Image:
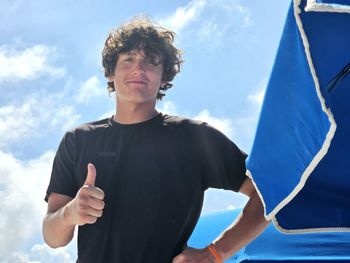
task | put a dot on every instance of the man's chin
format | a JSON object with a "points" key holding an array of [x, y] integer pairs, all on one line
{"points": [[138, 100]]}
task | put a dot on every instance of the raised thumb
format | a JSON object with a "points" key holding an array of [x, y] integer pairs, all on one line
{"points": [[91, 175]]}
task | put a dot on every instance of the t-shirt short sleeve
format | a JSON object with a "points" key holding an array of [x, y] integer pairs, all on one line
{"points": [[62, 179], [222, 161]]}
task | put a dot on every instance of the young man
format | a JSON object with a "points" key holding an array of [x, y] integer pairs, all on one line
{"points": [[134, 183]]}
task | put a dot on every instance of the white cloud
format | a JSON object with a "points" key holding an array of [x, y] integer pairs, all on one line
{"points": [[228, 18], [28, 64], [22, 190], [168, 107], [209, 21], [33, 118], [222, 124], [237, 8], [107, 114], [246, 124], [258, 97], [218, 200], [42, 251], [64, 117], [183, 15], [89, 90], [230, 207]]}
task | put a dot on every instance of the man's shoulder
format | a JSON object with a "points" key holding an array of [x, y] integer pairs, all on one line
{"points": [[199, 128], [189, 124], [91, 126], [182, 121]]}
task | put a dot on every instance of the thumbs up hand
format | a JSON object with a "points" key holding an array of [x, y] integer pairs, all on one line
{"points": [[88, 204]]}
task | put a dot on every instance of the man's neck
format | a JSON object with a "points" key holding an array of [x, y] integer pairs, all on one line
{"points": [[130, 114]]}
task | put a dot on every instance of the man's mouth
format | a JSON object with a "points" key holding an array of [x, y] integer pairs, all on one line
{"points": [[139, 82]]}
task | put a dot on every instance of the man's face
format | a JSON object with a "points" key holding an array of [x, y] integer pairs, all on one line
{"points": [[137, 77]]}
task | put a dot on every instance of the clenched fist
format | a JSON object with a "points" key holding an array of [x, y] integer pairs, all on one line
{"points": [[88, 204]]}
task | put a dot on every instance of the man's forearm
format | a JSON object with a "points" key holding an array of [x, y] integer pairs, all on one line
{"points": [[246, 228], [57, 232]]}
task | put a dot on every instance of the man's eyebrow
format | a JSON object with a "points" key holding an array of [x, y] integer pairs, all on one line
{"points": [[130, 53], [152, 55]]}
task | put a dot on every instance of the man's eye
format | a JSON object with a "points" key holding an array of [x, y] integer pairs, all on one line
{"points": [[127, 59], [153, 62]]}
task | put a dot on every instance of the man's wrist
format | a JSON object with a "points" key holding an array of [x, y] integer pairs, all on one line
{"points": [[215, 253], [67, 218]]}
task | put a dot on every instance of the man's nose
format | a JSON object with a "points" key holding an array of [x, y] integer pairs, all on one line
{"points": [[139, 67]]}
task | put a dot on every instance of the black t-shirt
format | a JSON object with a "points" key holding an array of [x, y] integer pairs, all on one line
{"points": [[153, 174]]}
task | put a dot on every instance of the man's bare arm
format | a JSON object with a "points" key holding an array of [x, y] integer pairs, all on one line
{"points": [[57, 232], [64, 212], [250, 223]]}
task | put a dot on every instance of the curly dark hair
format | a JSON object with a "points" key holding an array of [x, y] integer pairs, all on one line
{"points": [[142, 34]]}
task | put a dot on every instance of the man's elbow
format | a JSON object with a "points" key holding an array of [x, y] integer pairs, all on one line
{"points": [[53, 242], [248, 188], [51, 238]]}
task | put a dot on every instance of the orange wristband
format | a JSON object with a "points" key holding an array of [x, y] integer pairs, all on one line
{"points": [[215, 253]]}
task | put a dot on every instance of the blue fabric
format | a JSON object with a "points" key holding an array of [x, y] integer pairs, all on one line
{"points": [[293, 127], [337, 2], [273, 246]]}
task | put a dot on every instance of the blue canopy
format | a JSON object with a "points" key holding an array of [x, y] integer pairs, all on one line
{"points": [[300, 159], [273, 246]]}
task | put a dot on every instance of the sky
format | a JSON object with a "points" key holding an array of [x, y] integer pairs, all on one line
{"points": [[51, 80]]}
